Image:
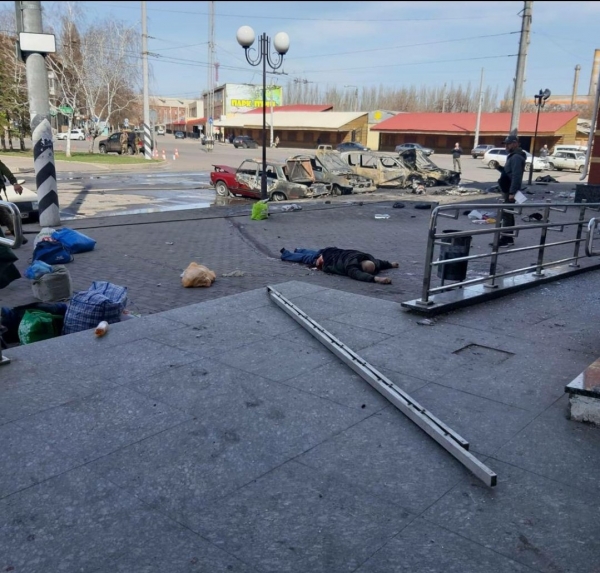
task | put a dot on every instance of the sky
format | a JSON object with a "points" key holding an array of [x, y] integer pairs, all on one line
{"points": [[353, 45]]}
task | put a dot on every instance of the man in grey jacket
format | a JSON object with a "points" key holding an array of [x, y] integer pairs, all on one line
{"points": [[511, 179]]}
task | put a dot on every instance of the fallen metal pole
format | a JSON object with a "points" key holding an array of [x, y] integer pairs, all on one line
{"points": [[442, 434]]}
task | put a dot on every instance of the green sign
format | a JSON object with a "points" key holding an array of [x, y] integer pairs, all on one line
{"points": [[66, 110]]}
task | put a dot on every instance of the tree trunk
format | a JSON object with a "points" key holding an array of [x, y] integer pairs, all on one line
{"points": [[68, 146]]}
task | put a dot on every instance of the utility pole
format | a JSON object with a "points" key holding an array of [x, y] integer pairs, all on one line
{"points": [[521, 64], [29, 28], [444, 99], [478, 122], [210, 100], [147, 133]]}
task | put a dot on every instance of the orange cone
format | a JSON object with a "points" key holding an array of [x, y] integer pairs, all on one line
{"points": [[164, 156]]}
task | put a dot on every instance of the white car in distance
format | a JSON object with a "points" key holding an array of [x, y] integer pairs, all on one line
{"points": [[78, 134], [496, 157]]}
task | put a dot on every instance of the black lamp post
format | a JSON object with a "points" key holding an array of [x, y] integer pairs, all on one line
{"points": [[540, 101], [245, 37]]}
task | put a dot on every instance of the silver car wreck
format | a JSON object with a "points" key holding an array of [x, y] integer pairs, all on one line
{"points": [[409, 168], [279, 185], [328, 167]]}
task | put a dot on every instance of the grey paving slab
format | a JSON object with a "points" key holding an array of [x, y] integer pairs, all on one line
{"points": [[422, 546], [276, 358], [487, 425], [557, 448], [531, 380], [392, 324], [177, 552], [297, 519], [26, 395], [293, 289], [389, 456], [96, 425], [245, 428], [74, 522], [534, 520], [337, 382], [26, 460]]}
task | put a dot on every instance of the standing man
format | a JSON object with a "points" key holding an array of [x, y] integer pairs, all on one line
{"points": [[456, 153], [544, 152], [5, 214], [124, 140], [510, 181]]}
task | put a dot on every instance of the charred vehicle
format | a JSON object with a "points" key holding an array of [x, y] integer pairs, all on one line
{"points": [[328, 167], [405, 170], [279, 185]]}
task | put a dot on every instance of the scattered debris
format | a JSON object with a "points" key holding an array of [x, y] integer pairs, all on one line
{"points": [[381, 216], [426, 322], [398, 205], [234, 274], [169, 243], [292, 207], [458, 191], [533, 217], [422, 205]]}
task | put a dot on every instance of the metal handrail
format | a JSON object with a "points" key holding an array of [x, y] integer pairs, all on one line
{"points": [[452, 212], [17, 239]]}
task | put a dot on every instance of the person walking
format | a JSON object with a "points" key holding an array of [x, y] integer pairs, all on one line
{"points": [[456, 153], [5, 214], [511, 179]]}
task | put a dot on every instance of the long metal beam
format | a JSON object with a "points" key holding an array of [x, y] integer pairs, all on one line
{"points": [[440, 432]]}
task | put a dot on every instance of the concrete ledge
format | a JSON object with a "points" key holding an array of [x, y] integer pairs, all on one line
{"points": [[584, 395]]}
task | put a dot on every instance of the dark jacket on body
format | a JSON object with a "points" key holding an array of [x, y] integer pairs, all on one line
{"points": [[511, 177], [346, 262]]}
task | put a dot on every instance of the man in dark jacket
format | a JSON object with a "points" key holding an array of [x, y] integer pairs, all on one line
{"points": [[5, 214], [354, 264], [511, 179]]}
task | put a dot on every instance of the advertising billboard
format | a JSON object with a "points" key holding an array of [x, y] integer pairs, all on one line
{"points": [[245, 97]]}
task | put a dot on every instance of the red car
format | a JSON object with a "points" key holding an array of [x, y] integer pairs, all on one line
{"points": [[223, 180], [246, 181]]}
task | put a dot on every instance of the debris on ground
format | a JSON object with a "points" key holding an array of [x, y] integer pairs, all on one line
{"points": [[426, 322], [292, 207], [197, 276], [422, 205], [458, 190], [398, 205], [234, 274]]}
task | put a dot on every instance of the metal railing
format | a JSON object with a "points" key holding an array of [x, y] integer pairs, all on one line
{"points": [[543, 224], [17, 240]]}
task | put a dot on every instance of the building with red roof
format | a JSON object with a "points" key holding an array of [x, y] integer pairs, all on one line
{"points": [[441, 131], [293, 108]]}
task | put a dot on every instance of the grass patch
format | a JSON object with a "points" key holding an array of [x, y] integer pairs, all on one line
{"points": [[84, 157]]}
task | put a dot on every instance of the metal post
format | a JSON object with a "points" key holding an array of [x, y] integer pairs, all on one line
{"points": [[29, 19], [521, 63], [264, 51], [537, 119], [147, 134], [478, 123]]}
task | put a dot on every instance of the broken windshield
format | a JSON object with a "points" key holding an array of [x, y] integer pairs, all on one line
{"points": [[333, 162]]}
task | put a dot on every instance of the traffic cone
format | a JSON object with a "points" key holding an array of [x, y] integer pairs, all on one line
{"points": [[155, 153], [176, 153], [164, 156]]}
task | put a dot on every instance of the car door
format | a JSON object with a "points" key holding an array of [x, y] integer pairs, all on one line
{"points": [[248, 180], [113, 143], [570, 160]]}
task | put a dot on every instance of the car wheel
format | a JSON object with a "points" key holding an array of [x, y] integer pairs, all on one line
{"points": [[581, 168], [221, 189], [102, 149], [130, 151], [493, 164], [336, 190], [551, 166], [81, 138], [474, 156], [527, 166], [278, 196], [559, 168]]}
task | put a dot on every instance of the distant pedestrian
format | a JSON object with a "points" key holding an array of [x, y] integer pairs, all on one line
{"points": [[123, 141], [544, 151], [456, 153]]}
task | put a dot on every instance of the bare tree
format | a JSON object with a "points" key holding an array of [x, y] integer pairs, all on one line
{"points": [[97, 68]]}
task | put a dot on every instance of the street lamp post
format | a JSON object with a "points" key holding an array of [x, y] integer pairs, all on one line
{"points": [[540, 101], [245, 37]]}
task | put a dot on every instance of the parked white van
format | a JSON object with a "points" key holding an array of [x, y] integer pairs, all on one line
{"points": [[577, 148]]}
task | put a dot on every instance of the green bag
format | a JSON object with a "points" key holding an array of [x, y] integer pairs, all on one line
{"points": [[39, 325], [260, 210]]}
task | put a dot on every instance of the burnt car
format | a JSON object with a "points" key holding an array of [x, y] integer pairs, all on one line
{"points": [[328, 167], [408, 168], [245, 181]]}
